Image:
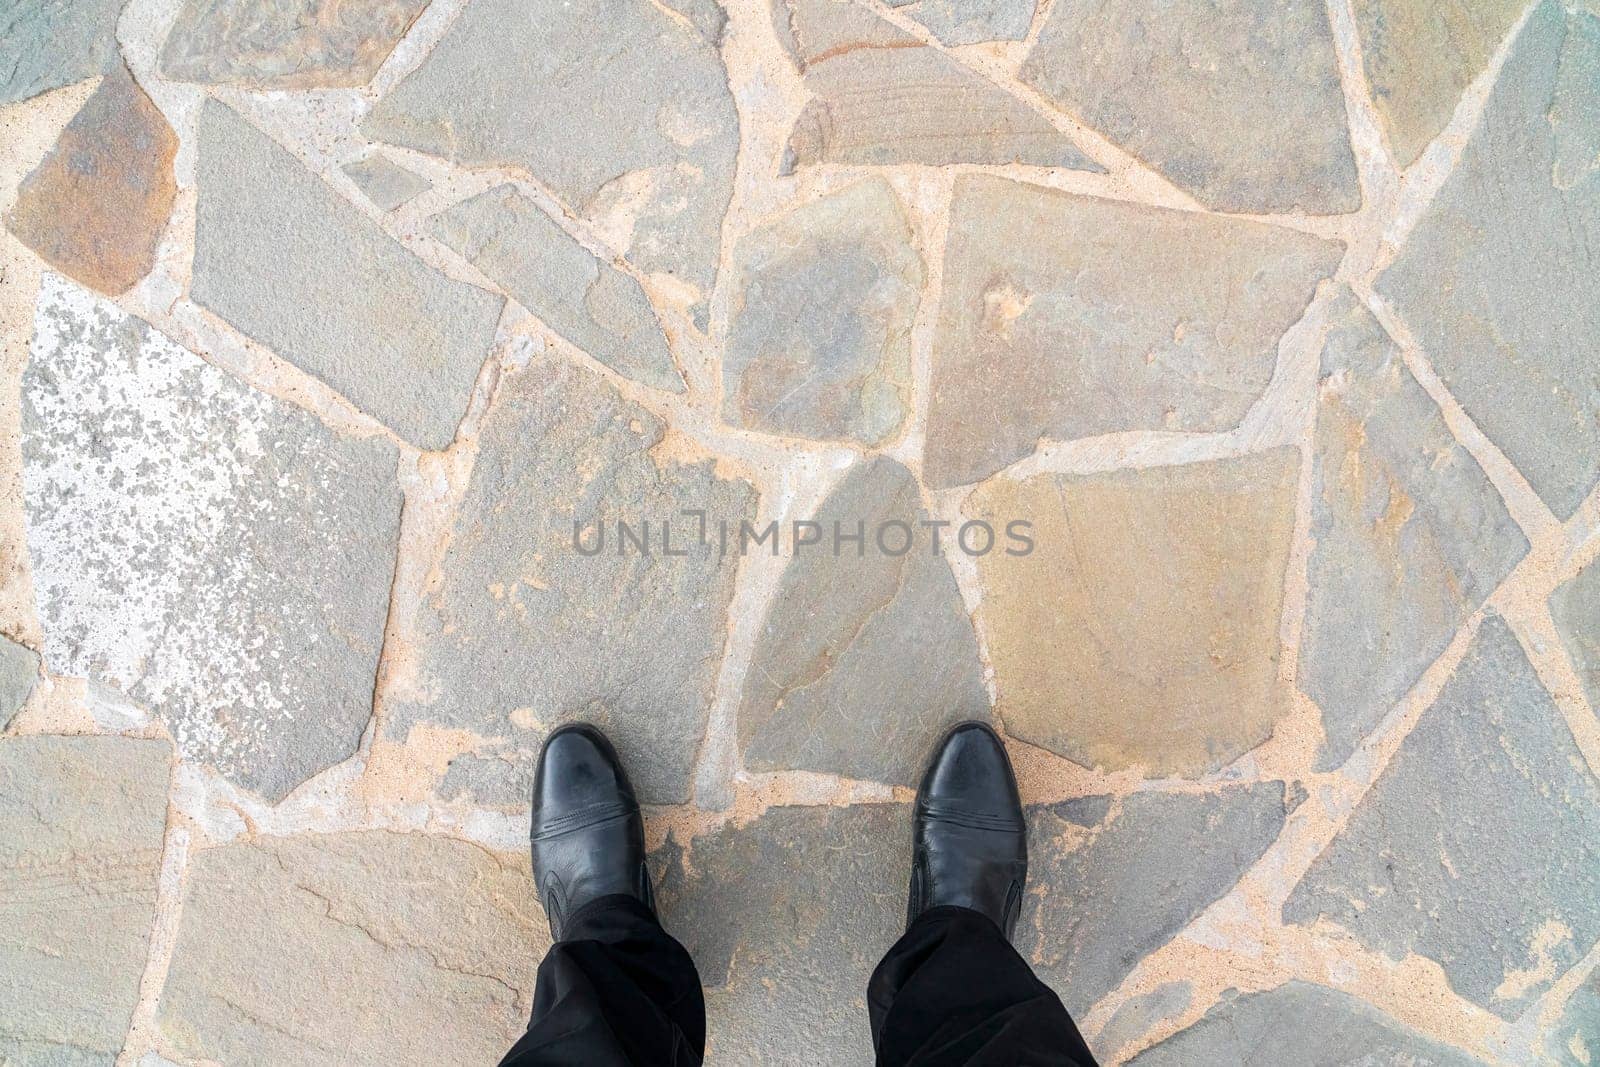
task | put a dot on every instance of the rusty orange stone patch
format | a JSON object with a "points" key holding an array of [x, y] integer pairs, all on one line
{"points": [[96, 206]]}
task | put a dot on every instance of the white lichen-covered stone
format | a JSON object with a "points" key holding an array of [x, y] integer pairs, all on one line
{"points": [[217, 555]]}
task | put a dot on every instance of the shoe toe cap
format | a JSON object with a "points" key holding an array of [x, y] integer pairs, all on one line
{"points": [[972, 772], [578, 768]]}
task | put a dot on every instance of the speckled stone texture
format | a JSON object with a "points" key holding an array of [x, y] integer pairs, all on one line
{"points": [[217, 555], [385, 382]]}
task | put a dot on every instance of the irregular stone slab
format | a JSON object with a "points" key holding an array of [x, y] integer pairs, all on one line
{"points": [[45, 44], [81, 824], [958, 22], [1300, 1023], [1142, 630], [1108, 885], [96, 206], [1497, 280], [19, 672], [1420, 57], [217, 555], [285, 44], [597, 307], [1576, 610], [1479, 846], [864, 659], [880, 97], [1408, 535], [786, 917], [286, 260], [385, 182], [819, 343], [1237, 102], [639, 115], [523, 632], [434, 942], [1128, 318]]}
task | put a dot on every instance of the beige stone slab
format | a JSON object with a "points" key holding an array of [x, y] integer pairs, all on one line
{"points": [[1067, 316], [351, 949], [1142, 630], [81, 824]]}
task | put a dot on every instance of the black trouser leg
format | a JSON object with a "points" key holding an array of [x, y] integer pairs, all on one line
{"points": [[617, 989], [954, 991]]}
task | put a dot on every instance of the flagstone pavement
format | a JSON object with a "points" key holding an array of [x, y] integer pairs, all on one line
{"points": [[1207, 393]]}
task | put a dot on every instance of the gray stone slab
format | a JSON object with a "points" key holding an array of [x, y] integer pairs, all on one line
{"points": [[1479, 846], [81, 824], [1128, 318], [285, 44], [1237, 102], [882, 97], [45, 44], [19, 672], [1303, 1024], [1497, 281], [786, 916], [1419, 58], [599, 308], [385, 182], [1103, 895], [284, 258], [863, 659], [215, 554], [523, 632], [819, 339], [1575, 606], [352, 949], [640, 113], [1408, 535], [959, 22]]}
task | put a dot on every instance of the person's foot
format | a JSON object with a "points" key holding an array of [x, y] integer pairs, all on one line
{"points": [[587, 834], [969, 845]]}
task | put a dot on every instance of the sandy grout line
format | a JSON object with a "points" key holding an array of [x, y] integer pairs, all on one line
{"points": [[143, 1031]]}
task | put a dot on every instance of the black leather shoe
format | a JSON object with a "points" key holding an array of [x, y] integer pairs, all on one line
{"points": [[588, 835], [969, 844]]}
